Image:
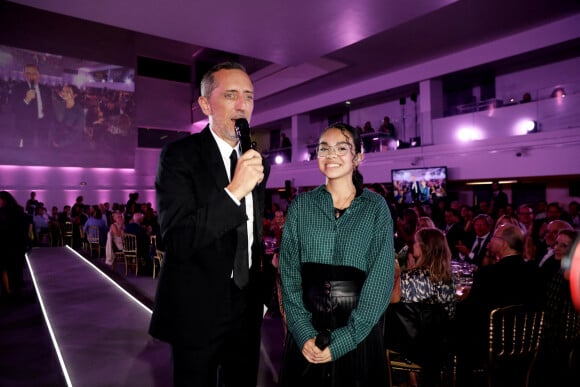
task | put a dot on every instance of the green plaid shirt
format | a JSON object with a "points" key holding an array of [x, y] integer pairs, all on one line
{"points": [[362, 238]]}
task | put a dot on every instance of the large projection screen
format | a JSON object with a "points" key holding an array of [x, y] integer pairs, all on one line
{"points": [[62, 111]]}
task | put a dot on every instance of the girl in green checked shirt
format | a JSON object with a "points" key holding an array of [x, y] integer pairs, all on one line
{"points": [[337, 270]]}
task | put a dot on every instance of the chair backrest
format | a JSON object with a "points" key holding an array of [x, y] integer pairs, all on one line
{"points": [[419, 331], [67, 228], [93, 234], [129, 244], [153, 240], [572, 326], [514, 331], [157, 251]]}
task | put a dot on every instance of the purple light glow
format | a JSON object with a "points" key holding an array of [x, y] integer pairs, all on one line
{"points": [[467, 134], [523, 127]]}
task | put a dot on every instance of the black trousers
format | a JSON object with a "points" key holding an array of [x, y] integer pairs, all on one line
{"points": [[232, 356]]}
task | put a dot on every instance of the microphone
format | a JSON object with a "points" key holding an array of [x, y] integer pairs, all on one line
{"points": [[322, 339], [243, 133]]}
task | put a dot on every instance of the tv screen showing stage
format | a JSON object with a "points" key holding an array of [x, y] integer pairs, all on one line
{"points": [[62, 111], [419, 185]]}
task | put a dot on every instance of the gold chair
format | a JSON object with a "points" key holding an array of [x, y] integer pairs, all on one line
{"points": [[67, 233], [94, 240], [157, 254], [571, 334], [515, 334], [394, 363], [130, 252]]}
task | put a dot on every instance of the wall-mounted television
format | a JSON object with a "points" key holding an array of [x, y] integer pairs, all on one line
{"points": [[423, 185]]}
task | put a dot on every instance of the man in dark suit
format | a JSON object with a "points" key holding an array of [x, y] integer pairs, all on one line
{"points": [[206, 307], [473, 248], [33, 110], [510, 281]]}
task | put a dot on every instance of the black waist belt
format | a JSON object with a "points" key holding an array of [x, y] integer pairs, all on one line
{"points": [[330, 293]]}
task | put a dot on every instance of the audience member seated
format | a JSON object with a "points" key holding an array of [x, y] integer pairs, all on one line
{"points": [[507, 219], [552, 212], [277, 225], [574, 214], [422, 305], [558, 92], [115, 237], [558, 307], [367, 138], [527, 97], [510, 281], [473, 249], [143, 241], [525, 217], [41, 222], [96, 219], [547, 262], [388, 127]]}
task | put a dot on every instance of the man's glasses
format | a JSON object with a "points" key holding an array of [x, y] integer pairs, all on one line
{"points": [[339, 149]]}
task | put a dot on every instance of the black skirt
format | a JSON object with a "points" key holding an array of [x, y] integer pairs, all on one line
{"points": [[330, 293]]}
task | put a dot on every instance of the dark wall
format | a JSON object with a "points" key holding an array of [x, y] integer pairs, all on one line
{"points": [[38, 30]]}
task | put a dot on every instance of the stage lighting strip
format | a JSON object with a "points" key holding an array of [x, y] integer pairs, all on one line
{"points": [[99, 271], [49, 325]]}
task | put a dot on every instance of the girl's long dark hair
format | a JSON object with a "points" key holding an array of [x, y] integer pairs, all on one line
{"points": [[357, 177]]}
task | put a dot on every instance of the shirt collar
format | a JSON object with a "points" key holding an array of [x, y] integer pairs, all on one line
{"points": [[224, 147]]}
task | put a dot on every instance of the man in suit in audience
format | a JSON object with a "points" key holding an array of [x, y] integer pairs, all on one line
{"points": [[508, 282], [547, 263], [474, 250], [208, 310]]}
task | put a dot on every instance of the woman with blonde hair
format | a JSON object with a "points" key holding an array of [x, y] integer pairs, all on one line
{"points": [[506, 219], [425, 222]]}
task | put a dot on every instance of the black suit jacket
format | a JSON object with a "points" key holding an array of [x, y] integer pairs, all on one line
{"points": [[198, 221], [478, 258], [27, 115]]}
